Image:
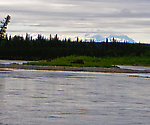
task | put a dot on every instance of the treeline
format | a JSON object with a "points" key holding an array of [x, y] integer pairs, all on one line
{"points": [[27, 48]]}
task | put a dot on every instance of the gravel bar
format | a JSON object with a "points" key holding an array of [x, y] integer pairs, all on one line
{"points": [[66, 68]]}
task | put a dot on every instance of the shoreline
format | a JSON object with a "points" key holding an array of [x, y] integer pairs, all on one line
{"points": [[81, 69]]}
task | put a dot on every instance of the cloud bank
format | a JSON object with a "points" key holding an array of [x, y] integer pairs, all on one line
{"points": [[79, 16]]}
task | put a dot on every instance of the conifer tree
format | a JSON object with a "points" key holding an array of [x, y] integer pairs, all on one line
{"points": [[3, 26], [50, 37], [77, 39], [27, 37], [106, 40]]}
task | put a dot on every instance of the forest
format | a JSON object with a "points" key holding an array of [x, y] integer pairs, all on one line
{"points": [[41, 48], [18, 47]]}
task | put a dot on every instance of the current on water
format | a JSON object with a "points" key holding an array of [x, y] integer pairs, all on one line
{"points": [[30, 97]]}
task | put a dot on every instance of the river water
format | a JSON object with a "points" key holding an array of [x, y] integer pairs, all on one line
{"points": [[30, 97]]}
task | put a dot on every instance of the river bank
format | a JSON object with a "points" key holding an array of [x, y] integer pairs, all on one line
{"points": [[66, 68]]}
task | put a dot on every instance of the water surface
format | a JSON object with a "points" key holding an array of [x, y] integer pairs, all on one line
{"points": [[135, 67], [13, 61], [30, 97]]}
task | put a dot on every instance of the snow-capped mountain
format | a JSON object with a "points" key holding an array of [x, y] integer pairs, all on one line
{"points": [[122, 38], [100, 38]]}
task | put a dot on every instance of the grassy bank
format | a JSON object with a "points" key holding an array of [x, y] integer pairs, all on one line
{"points": [[94, 61]]}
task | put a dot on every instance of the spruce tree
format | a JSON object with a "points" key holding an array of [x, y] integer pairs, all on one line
{"points": [[3, 26]]}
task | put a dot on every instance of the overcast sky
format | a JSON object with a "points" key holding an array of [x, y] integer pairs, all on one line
{"points": [[128, 17]]}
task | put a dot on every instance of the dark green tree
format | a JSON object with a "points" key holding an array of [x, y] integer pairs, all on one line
{"points": [[77, 39], [3, 26]]}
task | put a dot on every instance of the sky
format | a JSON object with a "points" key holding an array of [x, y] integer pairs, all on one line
{"points": [[71, 18]]}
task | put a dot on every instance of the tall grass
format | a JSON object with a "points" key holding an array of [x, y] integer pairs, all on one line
{"points": [[94, 61]]}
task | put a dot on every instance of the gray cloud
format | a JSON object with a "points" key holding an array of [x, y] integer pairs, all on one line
{"points": [[77, 15]]}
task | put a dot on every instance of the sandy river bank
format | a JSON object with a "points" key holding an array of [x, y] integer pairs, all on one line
{"points": [[65, 68]]}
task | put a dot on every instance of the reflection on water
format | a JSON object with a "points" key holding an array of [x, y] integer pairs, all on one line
{"points": [[13, 61], [134, 67], [72, 98]]}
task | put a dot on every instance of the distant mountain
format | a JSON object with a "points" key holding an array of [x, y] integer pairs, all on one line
{"points": [[122, 38], [100, 38], [97, 37]]}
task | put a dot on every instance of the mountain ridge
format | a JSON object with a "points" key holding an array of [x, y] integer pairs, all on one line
{"points": [[100, 38]]}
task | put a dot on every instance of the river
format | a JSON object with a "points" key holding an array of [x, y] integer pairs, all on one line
{"points": [[30, 97]]}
